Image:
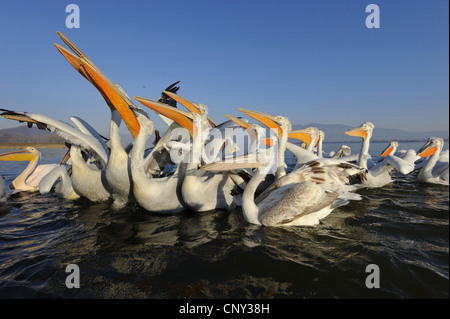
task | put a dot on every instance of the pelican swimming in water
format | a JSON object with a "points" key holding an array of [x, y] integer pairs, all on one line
{"points": [[29, 179], [60, 176], [297, 199], [160, 195], [379, 174], [200, 191], [116, 175], [89, 153], [280, 125], [435, 169], [408, 155]]}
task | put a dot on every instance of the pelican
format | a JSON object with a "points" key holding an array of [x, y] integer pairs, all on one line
{"points": [[408, 155], [117, 175], [29, 179], [308, 136], [280, 125], [63, 188], [161, 195], [435, 169], [379, 173], [60, 176], [391, 149], [342, 152], [200, 191], [301, 201], [88, 153]]}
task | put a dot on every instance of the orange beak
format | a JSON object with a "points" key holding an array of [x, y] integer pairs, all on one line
{"points": [[65, 158], [387, 151], [184, 119], [106, 87], [427, 150], [188, 104], [301, 135], [113, 99], [266, 119], [357, 132], [249, 129]]}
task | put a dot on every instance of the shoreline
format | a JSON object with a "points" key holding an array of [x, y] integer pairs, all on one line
{"points": [[35, 145]]}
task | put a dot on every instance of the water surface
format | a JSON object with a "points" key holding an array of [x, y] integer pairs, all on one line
{"points": [[402, 228]]}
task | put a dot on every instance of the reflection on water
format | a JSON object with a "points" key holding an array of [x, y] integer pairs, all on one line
{"points": [[403, 228]]}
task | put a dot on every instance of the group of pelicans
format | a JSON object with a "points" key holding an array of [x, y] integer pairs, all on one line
{"points": [[205, 168]]}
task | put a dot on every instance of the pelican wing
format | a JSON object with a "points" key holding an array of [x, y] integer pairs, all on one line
{"points": [[85, 128], [332, 174], [156, 161], [294, 203], [400, 165], [73, 136], [441, 169], [300, 154]]}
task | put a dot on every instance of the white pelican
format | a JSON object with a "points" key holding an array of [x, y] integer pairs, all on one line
{"points": [[309, 136], [408, 155], [342, 152], [29, 179], [86, 176], [61, 177], [279, 125], [379, 173], [160, 195], [200, 191], [435, 168], [117, 175], [301, 201], [63, 188]]}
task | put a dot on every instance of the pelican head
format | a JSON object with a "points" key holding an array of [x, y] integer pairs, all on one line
{"points": [[191, 106], [277, 123], [390, 149], [431, 146], [307, 135], [364, 131], [27, 154]]}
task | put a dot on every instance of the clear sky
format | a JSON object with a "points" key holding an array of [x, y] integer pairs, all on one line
{"points": [[312, 61]]}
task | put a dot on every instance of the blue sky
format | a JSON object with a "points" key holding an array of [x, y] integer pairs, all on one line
{"points": [[312, 61]]}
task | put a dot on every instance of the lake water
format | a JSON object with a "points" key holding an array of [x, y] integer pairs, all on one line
{"points": [[403, 228]]}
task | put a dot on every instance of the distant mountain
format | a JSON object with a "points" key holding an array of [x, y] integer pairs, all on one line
{"points": [[24, 134], [335, 133]]}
